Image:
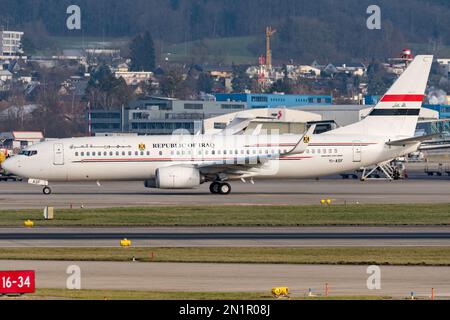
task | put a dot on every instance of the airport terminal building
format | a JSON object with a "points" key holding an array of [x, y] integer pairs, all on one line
{"points": [[261, 101], [163, 116]]}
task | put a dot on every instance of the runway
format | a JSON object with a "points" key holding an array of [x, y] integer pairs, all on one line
{"points": [[203, 277], [276, 192], [227, 237]]}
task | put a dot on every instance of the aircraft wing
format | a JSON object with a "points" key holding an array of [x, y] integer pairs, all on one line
{"points": [[238, 125], [243, 165], [413, 140]]}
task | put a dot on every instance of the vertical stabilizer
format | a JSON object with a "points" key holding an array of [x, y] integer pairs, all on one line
{"points": [[397, 113]]}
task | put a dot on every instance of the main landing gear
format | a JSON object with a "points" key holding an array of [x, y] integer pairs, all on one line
{"points": [[46, 190], [220, 188]]}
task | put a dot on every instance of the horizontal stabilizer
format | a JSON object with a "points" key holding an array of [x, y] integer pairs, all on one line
{"points": [[412, 140]]}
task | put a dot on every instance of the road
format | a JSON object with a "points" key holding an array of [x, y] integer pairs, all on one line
{"points": [[227, 237], [203, 277], [277, 192]]}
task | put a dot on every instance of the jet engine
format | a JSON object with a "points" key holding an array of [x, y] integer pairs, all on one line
{"points": [[176, 177]]}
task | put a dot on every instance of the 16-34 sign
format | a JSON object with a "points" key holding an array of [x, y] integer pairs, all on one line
{"points": [[17, 282]]}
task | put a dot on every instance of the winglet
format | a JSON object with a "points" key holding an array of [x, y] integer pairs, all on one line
{"points": [[302, 145]]}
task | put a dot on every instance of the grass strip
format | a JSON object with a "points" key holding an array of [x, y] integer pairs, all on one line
{"points": [[53, 294], [311, 215], [404, 256]]}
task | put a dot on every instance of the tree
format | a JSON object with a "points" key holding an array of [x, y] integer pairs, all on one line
{"points": [[173, 84], [105, 91], [284, 85], [379, 80], [241, 81], [281, 86], [142, 53], [205, 83], [28, 46]]}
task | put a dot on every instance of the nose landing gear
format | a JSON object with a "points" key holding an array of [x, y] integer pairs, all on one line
{"points": [[46, 190], [220, 188]]}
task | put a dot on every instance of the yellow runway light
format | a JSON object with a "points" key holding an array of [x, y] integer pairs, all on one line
{"points": [[125, 243], [280, 291], [28, 223]]}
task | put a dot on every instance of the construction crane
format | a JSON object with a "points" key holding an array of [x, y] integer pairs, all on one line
{"points": [[269, 33]]}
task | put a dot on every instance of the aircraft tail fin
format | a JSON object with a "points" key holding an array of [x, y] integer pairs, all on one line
{"points": [[397, 113]]}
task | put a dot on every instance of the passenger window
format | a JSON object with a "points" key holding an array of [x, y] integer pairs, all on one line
{"points": [[318, 151], [82, 154], [117, 153], [148, 153], [313, 151], [335, 150], [76, 154], [136, 153], [160, 153], [142, 153], [105, 153], [123, 153], [88, 154], [130, 153]]}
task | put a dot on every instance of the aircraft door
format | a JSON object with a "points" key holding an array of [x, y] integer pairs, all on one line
{"points": [[58, 154], [357, 151]]}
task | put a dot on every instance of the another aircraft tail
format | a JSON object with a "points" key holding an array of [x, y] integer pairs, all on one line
{"points": [[397, 113]]}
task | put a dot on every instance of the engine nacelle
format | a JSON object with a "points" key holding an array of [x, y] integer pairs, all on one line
{"points": [[175, 178]]}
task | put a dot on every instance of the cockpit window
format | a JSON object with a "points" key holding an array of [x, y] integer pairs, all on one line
{"points": [[28, 153]]}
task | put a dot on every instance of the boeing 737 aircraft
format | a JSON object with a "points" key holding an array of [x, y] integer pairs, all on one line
{"points": [[184, 161]]}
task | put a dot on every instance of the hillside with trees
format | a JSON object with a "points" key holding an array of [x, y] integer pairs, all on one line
{"points": [[307, 30]]}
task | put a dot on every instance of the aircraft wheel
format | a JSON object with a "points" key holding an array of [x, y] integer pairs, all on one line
{"points": [[46, 191], [214, 188], [224, 188]]}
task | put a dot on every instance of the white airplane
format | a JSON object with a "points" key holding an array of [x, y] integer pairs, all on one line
{"points": [[185, 161]]}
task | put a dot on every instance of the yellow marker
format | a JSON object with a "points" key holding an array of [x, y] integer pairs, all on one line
{"points": [[322, 201], [328, 201], [28, 223], [280, 291], [125, 243]]}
